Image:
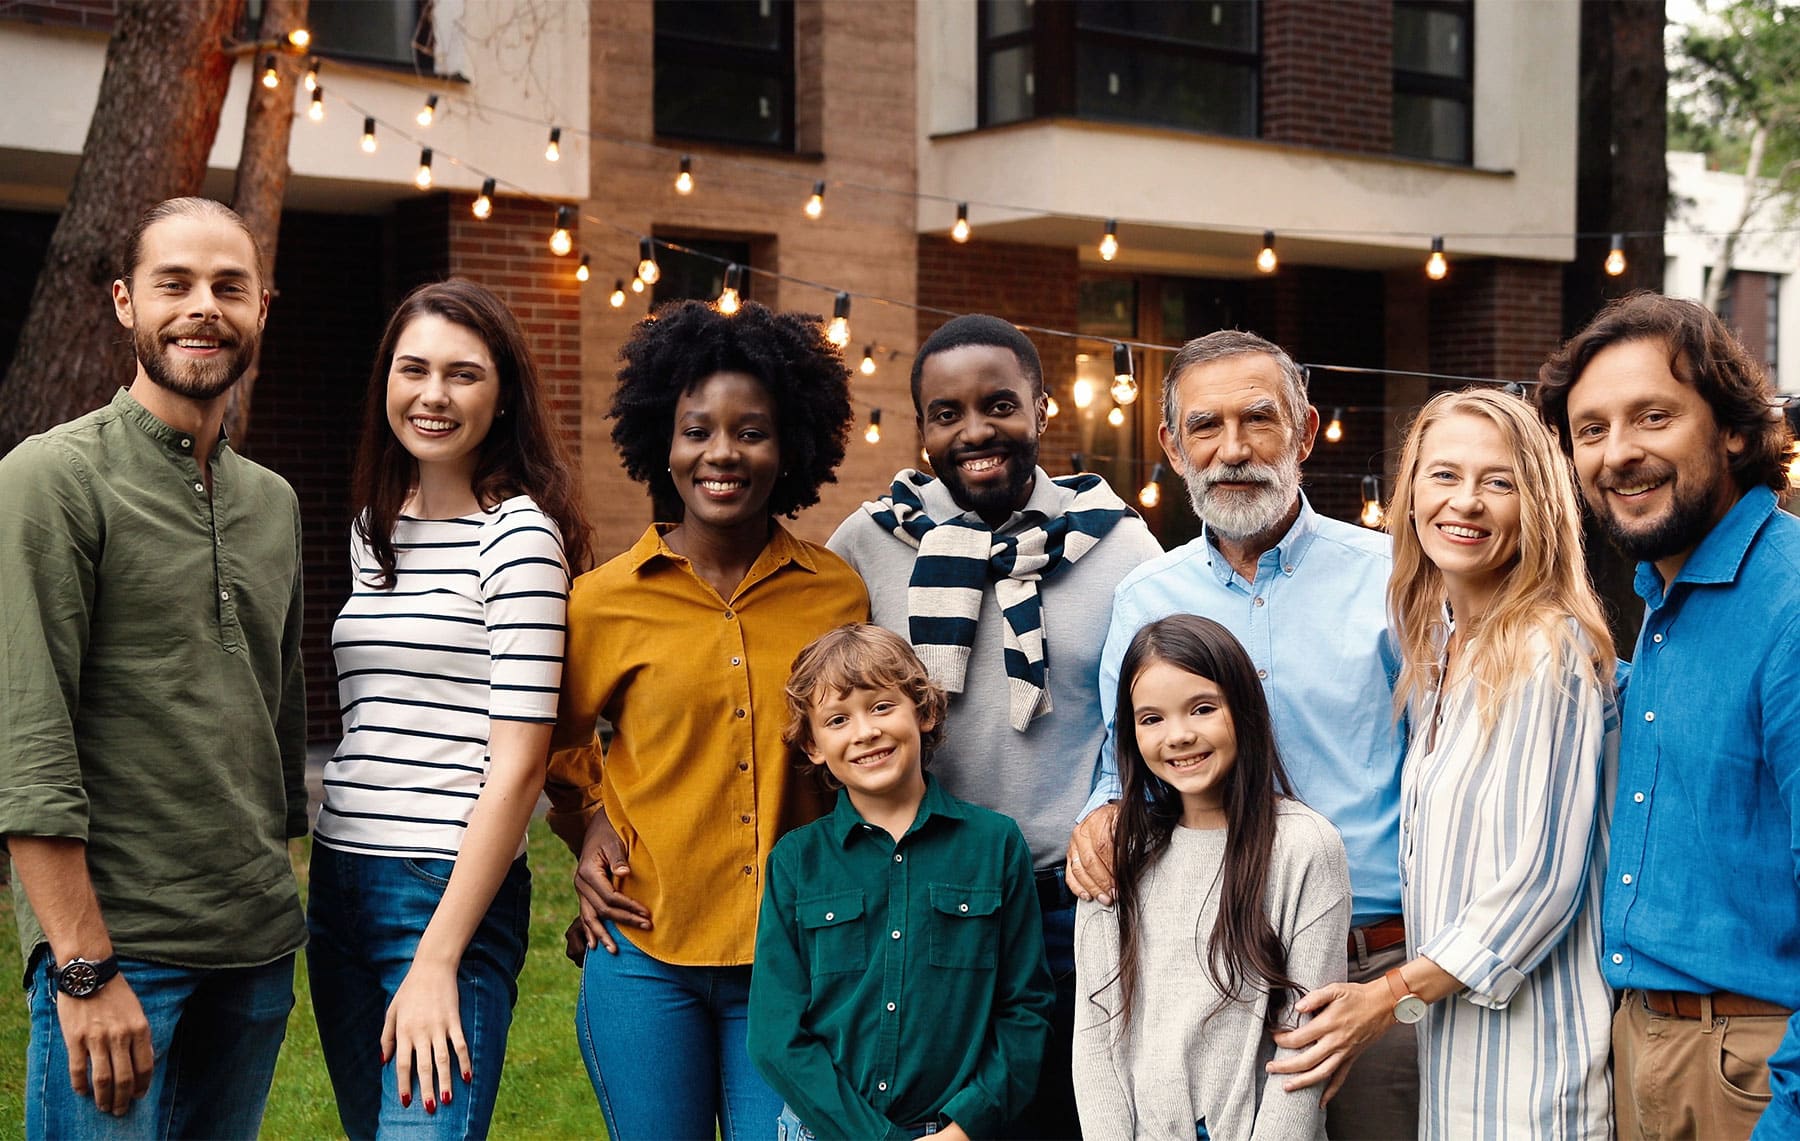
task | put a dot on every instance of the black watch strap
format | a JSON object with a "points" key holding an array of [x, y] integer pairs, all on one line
{"points": [[82, 978]]}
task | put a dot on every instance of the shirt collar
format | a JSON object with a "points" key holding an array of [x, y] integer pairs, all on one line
{"points": [[1048, 499], [174, 439], [1287, 552], [847, 822], [1720, 554], [781, 549]]}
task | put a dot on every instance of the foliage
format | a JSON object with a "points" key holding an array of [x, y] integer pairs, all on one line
{"points": [[1735, 69]]}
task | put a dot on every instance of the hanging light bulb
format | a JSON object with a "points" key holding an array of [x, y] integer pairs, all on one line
{"points": [[1435, 265], [553, 149], [648, 270], [1151, 493], [1116, 417], [1372, 515], [315, 110], [312, 74], [1051, 407], [300, 38], [1109, 241], [368, 142], [873, 432], [1084, 392], [684, 182], [1793, 466], [483, 206], [270, 77], [582, 273], [1266, 261], [422, 178], [428, 112], [617, 298], [867, 368], [960, 231], [1334, 431], [637, 285], [838, 332], [1124, 385], [560, 241], [729, 302], [1615, 260], [815, 205]]}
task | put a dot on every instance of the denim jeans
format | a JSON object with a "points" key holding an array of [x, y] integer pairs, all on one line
{"points": [[788, 1127], [667, 1048], [1051, 1112], [215, 1033], [366, 915]]}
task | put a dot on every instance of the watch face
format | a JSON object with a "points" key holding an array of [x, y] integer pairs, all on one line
{"points": [[79, 978], [1410, 1009]]}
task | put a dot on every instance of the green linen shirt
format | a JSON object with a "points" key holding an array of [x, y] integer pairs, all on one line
{"points": [[151, 696], [901, 982]]}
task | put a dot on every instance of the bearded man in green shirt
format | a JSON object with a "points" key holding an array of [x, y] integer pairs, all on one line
{"points": [[152, 717]]}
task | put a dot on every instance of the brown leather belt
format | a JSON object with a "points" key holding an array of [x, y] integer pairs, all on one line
{"points": [[1684, 1004], [1377, 936]]}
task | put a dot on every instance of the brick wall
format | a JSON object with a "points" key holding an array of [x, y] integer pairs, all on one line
{"points": [[1327, 74], [1495, 318]]}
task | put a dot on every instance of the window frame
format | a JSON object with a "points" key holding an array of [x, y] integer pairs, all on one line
{"points": [[779, 63], [1409, 82]]}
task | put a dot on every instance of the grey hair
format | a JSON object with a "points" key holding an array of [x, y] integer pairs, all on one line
{"points": [[1236, 343]]}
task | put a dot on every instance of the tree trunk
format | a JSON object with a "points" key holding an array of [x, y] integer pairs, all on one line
{"points": [[1721, 270], [262, 176], [153, 127]]}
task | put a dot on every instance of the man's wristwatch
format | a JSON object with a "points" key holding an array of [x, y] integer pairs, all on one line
{"points": [[1408, 1007], [82, 978]]}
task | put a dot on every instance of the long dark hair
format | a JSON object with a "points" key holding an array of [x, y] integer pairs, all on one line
{"points": [[1244, 949], [520, 456]]}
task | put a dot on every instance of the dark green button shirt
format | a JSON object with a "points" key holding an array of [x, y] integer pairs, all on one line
{"points": [[151, 695], [898, 983]]}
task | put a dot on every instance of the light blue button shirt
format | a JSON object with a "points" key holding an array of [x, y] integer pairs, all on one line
{"points": [[1315, 625]]}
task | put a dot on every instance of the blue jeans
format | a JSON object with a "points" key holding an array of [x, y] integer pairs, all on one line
{"points": [[366, 915], [215, 1033], [1051, 1112], [788, 1127], [668, 1048]]}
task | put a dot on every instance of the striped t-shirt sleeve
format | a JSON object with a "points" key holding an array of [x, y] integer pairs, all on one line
{"points": [[524, 584]]}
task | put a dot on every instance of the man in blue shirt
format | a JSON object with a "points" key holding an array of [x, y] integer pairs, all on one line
{"points": [[1306, 595], [1681, 451]]}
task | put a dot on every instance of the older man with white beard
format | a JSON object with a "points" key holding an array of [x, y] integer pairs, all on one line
{"points": [[1306, 595]]}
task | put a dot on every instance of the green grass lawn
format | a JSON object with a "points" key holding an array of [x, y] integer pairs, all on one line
{"points": [[544, 1093]]}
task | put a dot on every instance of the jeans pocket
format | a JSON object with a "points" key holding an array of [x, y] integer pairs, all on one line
{"points": [[1741, 1059], [434, 872], [965, 926]]}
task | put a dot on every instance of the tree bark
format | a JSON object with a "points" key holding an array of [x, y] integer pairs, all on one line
{"points": [[158, 110], [262, 176]]}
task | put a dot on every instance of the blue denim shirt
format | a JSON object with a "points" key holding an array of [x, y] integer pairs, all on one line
{"points": [[1703, 883], [1315, 625]]}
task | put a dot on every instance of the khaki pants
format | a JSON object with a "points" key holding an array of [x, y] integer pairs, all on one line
{"points": [[1380, 1098], [1690, 1078]]}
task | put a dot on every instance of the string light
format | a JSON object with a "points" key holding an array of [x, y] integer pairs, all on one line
{"points": [[815, 205], [553, 149], [1435, 265], [648, 270], [422, 179], [315, 110], [1124, 385], [1109, 241], [1151, 493], [684, 181], [270, 77], [867, 368], [729, 302], [300, 38], [483, 206], [312, 74], [637, 285], [617, 298], [1116, 417], [428, 112], [1266, 260], [582, 273], [1372, 515], [873, 432], [1615, 260], [1084, 392], [1334, 431], [368, 139], [1051, 408], [1793, 467], [960, 231], [560, 242], [838, 332]]}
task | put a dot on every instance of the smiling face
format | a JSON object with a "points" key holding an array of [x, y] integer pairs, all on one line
{"points": [[1236, 447], [1465, 508], [195, 305], [1653, 462], [980, 417], [443, 392], [869, 739], [725, 456], [1186, 736]]}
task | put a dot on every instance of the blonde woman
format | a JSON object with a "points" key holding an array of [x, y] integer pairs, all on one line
{"points": [[1506, 683]]}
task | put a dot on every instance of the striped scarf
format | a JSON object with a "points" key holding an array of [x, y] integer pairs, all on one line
{"points": [[959, 556]]}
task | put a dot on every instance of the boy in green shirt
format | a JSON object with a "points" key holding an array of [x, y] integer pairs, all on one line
{"points": [[900, 987]]}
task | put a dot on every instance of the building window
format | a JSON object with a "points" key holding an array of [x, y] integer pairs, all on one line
{"points": [[379, 31], [725, 71], [1434, 87], [697, 270], [1189, 65]]}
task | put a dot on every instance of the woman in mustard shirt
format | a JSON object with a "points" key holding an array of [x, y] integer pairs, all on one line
{"points": [[683, 645]]}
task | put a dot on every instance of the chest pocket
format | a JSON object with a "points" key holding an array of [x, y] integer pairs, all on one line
{"points": [[835, 928], [965, 926]]}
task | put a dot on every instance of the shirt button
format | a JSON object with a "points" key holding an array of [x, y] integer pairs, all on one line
{"points": [[225, 596], [1648, 716], [962, 907], [748, 870], [743, 766], [898, 857], [744, 818], [830, 915], [739, 713], [1258, 600], [200, 487], [1657, 638], [736, 661], [1638, 797], [1626, 878], [1262, 675], [186, 443], [882, 1086], [891, 1008], [896, 934], [1618, 958], [729, 616], [1287, 570]]}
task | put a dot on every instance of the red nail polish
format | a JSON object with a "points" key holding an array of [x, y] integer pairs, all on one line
{"points": [[405, 1100], [465, 1077], [446, 1098], [430, 1106]]}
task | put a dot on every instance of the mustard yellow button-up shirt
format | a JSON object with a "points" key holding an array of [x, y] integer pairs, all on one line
{"points": [[696, 779]]}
